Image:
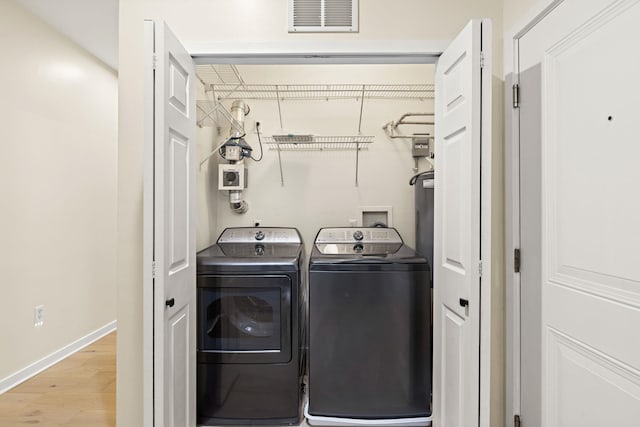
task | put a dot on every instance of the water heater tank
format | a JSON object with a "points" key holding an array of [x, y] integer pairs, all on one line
{"points": [[424, 188]]}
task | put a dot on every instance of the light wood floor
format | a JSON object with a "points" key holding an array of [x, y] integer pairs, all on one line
{"points": [[78, 391]]}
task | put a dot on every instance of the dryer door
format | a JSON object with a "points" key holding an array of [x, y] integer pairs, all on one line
{"points": [[244, 319]]}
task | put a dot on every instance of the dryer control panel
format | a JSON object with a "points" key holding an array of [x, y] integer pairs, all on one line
{"points": [[273, 235]]}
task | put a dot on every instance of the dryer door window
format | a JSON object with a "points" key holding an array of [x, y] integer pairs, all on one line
{"points": [[245, 318]]}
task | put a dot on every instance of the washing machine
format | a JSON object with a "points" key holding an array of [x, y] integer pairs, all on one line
{"points": [[251, 328], [369, 329]]}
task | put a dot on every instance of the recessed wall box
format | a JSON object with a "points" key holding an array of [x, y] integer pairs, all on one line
{"points": [[232, 177], [376, 216]]}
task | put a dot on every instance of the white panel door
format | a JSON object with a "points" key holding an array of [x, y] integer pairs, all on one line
{"points": [[174, 233], [590, 280], [457, 231]]}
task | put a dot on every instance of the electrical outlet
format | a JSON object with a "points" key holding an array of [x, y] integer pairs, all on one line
{"points": [[38, 316]]}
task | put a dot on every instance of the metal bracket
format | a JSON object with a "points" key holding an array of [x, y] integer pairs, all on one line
{"points": [[279, 109], [280, 166]]}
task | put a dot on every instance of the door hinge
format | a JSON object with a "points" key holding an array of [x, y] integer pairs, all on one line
{"points": [[154, 60], [516, 95], [153, 270], [481, 59], [516, 421], [480, 268], [516, 260]]}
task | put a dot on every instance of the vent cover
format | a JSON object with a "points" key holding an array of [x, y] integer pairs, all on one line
{"points": [[323, 16]]}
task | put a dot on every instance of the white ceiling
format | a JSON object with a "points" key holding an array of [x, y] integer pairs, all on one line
{"points": [[93, 24]]}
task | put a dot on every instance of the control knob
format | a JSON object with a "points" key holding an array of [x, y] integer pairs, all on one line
{"points": [[358, 248], [259, 250], [259, 235], [358, 235]]}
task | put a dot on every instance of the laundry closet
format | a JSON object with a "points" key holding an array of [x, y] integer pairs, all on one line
{"points": [[318, 156], [292, 148], [326, 159]]}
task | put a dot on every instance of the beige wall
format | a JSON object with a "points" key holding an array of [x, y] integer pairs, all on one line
{"points": [[319, 187], [516, 13], [58, 187], [497, 385], [200, 21], [206, 182]]}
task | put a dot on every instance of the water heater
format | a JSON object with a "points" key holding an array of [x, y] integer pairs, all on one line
{"points": [[424, 188]]}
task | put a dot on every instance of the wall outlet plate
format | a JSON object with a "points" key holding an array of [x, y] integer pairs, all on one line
{"points": [[232, 152], [38, 316]]}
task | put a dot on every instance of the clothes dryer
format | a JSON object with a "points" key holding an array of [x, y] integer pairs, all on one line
{"points": [[251, 335]]}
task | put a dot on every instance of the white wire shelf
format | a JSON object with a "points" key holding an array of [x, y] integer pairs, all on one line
{"points": [[317, 143], [219, 74], [320, 91]]}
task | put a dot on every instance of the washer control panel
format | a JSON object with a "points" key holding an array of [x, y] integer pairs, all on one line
{"points": [[261, 235], [358, 241], [358, 234]]}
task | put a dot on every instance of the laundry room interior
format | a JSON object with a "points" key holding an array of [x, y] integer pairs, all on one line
{"points": [[335, 163], [225, 213], [304, 181], [295, 148]]}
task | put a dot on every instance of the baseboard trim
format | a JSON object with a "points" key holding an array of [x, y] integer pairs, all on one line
{"points": [[35, 368]]}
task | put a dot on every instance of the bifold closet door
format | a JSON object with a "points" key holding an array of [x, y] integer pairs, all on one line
{"points": [[457, 230], [172, 183]]}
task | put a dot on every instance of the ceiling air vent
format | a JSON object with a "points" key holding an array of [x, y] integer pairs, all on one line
{"points": [[323, 16]]}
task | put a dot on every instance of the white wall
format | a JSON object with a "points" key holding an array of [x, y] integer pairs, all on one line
{"points": [[200, 21], [206, 181], [319, 186], [58, 187], [516, 13]]}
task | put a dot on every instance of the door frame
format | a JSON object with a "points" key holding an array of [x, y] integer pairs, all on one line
{"points": [[357, 52], [148, 231], [513, 327]]}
